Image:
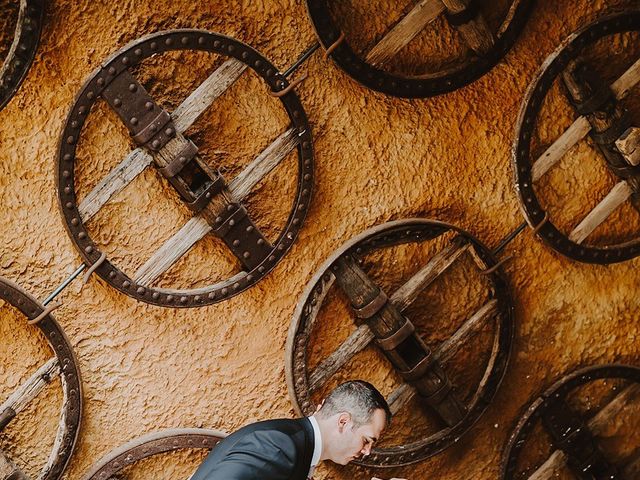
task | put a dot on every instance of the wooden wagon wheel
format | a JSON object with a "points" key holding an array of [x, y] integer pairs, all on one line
{"points": [[23, 48], [152, 444], [602, 117], [381, 319], [574, 436], [486, 47], [216, 203], [64, 364]]}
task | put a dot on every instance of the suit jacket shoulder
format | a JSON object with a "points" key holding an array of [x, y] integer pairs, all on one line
{"points": [[271, 450]]}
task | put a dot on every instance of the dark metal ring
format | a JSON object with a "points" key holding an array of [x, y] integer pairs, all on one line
{"points": [[553, 66], [558, 391], [127, 57], [416, 86], [382, 236], [70, 375], [152, 444], [23, 49]]}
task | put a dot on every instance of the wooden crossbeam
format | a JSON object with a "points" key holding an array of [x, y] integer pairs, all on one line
{"points": [[21, 397], [402, 298], [425, 12], [405, 392], [629, 145], [581, 127], [197, 227], [183, 117], [616, 197], [596, 424], [476, 32]]}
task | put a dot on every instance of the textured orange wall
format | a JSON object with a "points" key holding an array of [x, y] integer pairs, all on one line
{"points": [[378, 158]]}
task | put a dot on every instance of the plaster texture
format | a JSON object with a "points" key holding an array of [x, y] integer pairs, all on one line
{"points": [[378, 158]]}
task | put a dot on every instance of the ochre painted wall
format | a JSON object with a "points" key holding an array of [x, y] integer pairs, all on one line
{"points": [[378, 158]]}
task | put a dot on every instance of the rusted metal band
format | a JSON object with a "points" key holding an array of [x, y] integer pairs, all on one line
{"points": [[373, 307], [49, 308], [400, 335], [490, 270], [94, 267], [242, 236], [471, 11], [417, 372], [290, 87], [152, 128], [208, 192], [176, 165], [149, 124], [6, 416], [596, 102]]}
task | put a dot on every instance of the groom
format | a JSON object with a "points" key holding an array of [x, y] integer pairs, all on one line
{"points": [[345, 427]]}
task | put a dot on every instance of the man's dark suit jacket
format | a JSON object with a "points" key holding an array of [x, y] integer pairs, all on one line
{"points": [[270, 450]]}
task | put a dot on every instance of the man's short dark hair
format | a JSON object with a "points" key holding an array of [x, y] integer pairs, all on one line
{"points": [[358, 398]]}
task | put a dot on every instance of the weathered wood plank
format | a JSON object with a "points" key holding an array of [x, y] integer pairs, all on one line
{"points": [[174, 248], [21, 397], [404, 31], [581, 126], [476, 32], [270, 158], [183, 117], [9, 470], [616, 197], [405, 392], [629, 145], [207, 92], [356, 342], [408, 292], [572, 135], [597, 424], [197, 227], [114, 182]]}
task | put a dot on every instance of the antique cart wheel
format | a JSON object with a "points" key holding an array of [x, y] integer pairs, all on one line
{"points": [[485, 47], [152, 444], [23, 48], [381, 320], [215, 202], [64, 364], [600, 114], [573, 435]]}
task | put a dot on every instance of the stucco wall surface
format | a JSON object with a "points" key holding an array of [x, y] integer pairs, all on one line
{"points": [[378, 158]]}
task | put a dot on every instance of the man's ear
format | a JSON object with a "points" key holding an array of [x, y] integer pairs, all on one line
{"points": [[343, 419]]}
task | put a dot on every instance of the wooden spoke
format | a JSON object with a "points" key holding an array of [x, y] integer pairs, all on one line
{"points": [[404, 31], [581, 127], [572, 135], [114, 182], [172, 250], [476, 32], [597, 425], [402, 298], [21, 397], [405, 392], [616, 197], [408, 292], [357, 341], [183, 117], [197, 227], [207, 92]]}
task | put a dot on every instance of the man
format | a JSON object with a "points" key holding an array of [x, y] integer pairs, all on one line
{"points": [[345, 426]]}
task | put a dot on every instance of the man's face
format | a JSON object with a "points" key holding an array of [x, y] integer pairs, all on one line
{"points": [[356, 442]]}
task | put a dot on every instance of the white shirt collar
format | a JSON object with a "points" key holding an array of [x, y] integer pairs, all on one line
{"points": [[317, 444]]}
